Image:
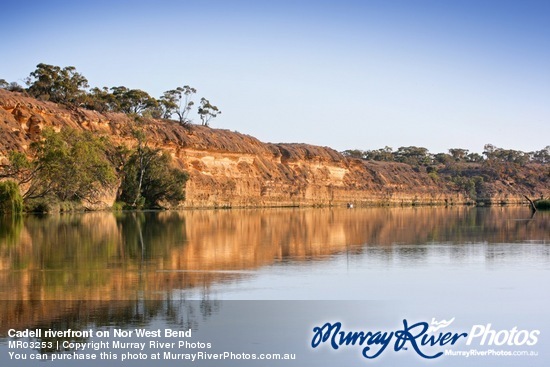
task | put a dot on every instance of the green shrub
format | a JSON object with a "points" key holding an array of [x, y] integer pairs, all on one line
{"points": [[42, 205], [11, 201], [118, 206], [150, 179]]}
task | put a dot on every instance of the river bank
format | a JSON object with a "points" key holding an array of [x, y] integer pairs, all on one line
{"points": [[232, 170]]}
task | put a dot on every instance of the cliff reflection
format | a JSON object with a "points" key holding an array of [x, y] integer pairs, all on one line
{"points": [[127, 256]]}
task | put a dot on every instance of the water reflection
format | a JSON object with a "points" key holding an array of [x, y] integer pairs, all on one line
{"points": [[99, 315], [121, 256], [128, 269]]}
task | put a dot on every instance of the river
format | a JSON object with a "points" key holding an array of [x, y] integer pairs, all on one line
{"points": [[182, 268]]}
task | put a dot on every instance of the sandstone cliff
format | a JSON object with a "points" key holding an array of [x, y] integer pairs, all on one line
{"points": [[229, 169]]}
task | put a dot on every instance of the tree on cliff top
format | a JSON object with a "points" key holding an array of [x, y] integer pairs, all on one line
{"points": [[132, 101], [12, 87], [207, 111], [51, 83], [178, 101]]}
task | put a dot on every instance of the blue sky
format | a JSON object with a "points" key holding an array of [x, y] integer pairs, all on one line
{"points": [[344, 74]]}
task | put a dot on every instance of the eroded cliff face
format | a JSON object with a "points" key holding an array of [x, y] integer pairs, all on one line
{"points": [[229, 169]]}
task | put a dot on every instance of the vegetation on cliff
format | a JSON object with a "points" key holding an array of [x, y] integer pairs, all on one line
{"points": [[68, 87], [468, 172], [11, 201], [418, 156], [120, 143], [78, 167], [148, 177]]}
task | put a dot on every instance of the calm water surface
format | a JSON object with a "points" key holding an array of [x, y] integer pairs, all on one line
{"points": [[310, 254], [182, 268]]}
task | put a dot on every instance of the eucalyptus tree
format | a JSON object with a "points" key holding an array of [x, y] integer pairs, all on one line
{"points": [[56, 84], [207, 111], [101, 100], [149, 177], [70, 165], [132, 101], [178, 102]]}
